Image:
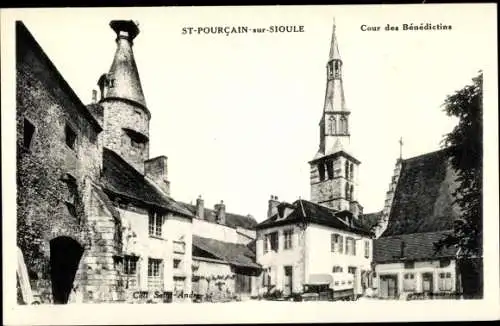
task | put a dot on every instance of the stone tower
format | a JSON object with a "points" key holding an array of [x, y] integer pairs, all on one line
{"points": [[126, 116], [334, 169]]}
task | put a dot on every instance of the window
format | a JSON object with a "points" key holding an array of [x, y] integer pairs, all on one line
{"points": [[155, 224], [71, 191], [351, 170], [445, 282], [343, 125], [337, 242], [70, 137], [332, 128], [321, 170], [409, 282], [130, 264], [351, 193], [329, 169], [28, 132], [136, 144], [346, 169], [337, 269], [273, 240], [155, 274], [367, 249], [177, 263], [347, 191], [330, 69], [287, 234], [350, 246], [154, 267], [337, 69]]}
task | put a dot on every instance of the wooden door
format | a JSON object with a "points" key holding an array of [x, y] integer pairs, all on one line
{"points": [[427, 282], [287, 288]]}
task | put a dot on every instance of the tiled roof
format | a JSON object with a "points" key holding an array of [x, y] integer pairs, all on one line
{"points": [[417, 246], [232, 220], [423, 198], [309, 212], [235, 254], [122, 179]]}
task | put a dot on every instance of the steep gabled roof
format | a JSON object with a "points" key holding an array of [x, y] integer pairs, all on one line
{"points": [[414, 246], [120, 178], [304, 211], [232, 220], [235, 254], [423, 200]]}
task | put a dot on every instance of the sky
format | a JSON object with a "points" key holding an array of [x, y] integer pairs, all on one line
{"points": [[237, 116]]}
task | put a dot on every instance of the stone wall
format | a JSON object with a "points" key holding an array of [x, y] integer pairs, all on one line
{"points": [[119, 115], [53, 179]]}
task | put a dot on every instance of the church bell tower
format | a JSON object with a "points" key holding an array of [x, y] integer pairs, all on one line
{"points": [[334, 169]]}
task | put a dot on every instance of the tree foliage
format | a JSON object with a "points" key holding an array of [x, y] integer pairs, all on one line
{"points": [[466, 153]]}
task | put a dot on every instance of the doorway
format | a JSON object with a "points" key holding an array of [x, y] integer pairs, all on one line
{"points": [[288, 286], [427, 283], [388, 286], [65, 255]]}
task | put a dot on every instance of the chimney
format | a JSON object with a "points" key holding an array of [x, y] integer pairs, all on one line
{"points": [[272, 207], [125, 29], [156, 170], [94, 96], [200, 210], [220, 212]]}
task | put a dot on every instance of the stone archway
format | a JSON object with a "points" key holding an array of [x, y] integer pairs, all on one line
{"points": [[65, 255]]}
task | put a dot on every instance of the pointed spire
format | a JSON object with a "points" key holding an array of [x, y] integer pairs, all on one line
{"points": [[123, 76], [334, 46]]}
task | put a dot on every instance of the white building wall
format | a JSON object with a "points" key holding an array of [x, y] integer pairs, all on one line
{"points": [[283, 257], [137, 241], [320, 258], [419, 268], [180, 229], [214, 231]]}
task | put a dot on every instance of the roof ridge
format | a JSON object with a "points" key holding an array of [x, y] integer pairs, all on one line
{"points": [[413, 233], [426, 154]]}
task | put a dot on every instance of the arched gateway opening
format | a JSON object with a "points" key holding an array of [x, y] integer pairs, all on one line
{"points": [[65, 255]]}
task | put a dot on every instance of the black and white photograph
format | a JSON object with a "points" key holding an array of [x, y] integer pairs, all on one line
{"points": [[243, 164]]}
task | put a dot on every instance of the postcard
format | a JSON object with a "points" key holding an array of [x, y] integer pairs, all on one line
{"points": [[269, 164]]}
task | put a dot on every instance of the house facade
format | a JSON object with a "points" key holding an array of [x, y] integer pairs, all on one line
{"points": [[224, 266], [419, 212], [327, 233]]}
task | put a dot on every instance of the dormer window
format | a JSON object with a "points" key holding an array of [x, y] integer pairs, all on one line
{"points": [[137, 140]]}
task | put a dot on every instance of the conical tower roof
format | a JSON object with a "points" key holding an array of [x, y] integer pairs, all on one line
{"points": [[334, 46], [124, 76]]}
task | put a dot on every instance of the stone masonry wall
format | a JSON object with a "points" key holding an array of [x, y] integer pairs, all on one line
{"points": [[119, 115], [42, 194]]}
